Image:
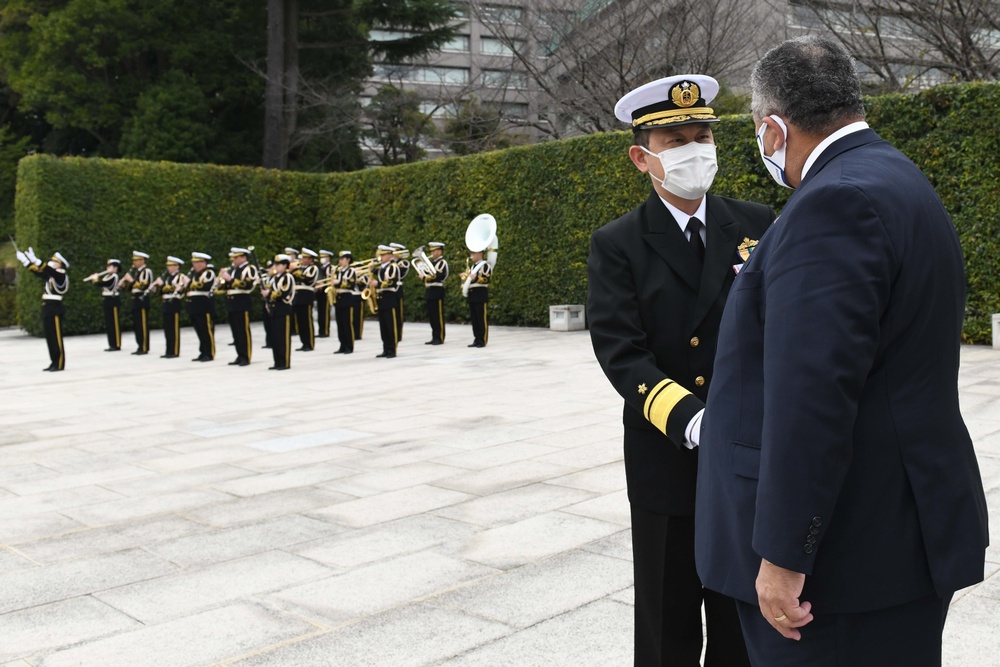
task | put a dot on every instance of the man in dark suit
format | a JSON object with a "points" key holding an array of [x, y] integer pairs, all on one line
{"points": [[839, 498], [658, 279]]}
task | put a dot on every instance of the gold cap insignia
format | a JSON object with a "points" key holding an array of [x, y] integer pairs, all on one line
{"points": [[685, 94], [746, 248], [643, 389]]}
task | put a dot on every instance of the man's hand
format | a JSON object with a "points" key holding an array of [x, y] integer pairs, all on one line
{"points": [[778, 592]]}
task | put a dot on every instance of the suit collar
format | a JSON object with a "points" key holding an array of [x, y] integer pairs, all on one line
{"points": [[850, 142], [661, 233]]}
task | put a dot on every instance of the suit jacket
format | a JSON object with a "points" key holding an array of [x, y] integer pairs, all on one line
{"points": [[654, 320], [832, 443]]}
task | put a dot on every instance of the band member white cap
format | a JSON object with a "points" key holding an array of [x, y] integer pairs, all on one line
{"points": [[307, 251], [282, 257], [174, 260], [59, 258], [398, 246], [202, 256], [436, 244], [383, 249], [326, 253], [346, 253], [238, 251], [116, 262], [292, 251], [136, 254]]}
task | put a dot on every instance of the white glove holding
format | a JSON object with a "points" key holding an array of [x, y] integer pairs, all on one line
{"points": [[21, 257], [31, 257]]}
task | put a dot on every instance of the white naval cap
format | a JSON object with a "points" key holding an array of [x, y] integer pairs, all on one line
{"points": [[436, 244], [59, 258], [282, 257], [398, 246], [346, 253], [670, 101], [174, 260], [238, 251], [307, 251], [382, 249], [200, 256], [325, 253], [136, 254], [112, 260], [291, 251]]}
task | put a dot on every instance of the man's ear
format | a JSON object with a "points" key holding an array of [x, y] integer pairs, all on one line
{"points": [[638, 157], [774, 133]]}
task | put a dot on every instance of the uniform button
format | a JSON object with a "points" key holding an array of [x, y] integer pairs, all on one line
{"points": [[808, 548], [814, 530], [817, 521], [700, 381], [810, 539], [695, 341]]}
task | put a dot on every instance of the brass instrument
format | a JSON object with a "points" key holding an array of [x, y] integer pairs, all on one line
{"points": [[481, 236], [96, 276], [402, 253], [423, 265]]}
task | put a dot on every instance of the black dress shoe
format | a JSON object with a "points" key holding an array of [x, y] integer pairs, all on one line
{"points": [[234, 363], [348, 352], [140, 352], [277, 368], [303, 349], [436, 342], [50, 368], [206, 358], [385, 356], [473, 345], [54, 370], [112, 349], [168, 356], [242, 362]]}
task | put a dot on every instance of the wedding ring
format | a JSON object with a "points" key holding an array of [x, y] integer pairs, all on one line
{"points": [[779, 619]]}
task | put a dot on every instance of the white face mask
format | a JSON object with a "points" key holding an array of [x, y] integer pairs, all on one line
{"points": [[688, 171], [775, 163]]}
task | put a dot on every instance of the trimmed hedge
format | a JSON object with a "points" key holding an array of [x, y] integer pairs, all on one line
{"points": [[547, 199]]}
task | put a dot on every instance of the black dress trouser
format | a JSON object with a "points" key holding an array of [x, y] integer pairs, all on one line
{"points": [[434, 297], [140, 322], [387, 322], [112, 321], [53, 313]]}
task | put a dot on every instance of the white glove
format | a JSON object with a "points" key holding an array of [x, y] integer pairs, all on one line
{"points": [[21, 257], [31, 257]]}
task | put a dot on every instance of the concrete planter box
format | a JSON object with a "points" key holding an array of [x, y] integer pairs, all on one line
{"points": [[566, 318]]}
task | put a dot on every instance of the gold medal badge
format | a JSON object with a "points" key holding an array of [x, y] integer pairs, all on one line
{"points": [[746, 248], [685, 94]]}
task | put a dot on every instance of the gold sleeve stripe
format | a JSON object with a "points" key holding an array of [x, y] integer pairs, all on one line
{"points": [[661, 401]]}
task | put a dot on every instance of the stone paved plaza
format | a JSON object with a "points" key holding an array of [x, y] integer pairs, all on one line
{"points": [[452, 506]]}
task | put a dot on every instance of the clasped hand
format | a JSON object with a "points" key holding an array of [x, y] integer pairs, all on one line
{"points": [[778, 592]]}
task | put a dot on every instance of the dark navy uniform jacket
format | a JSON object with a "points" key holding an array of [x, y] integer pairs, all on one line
{"points": [[654, 315], [832, 442]]}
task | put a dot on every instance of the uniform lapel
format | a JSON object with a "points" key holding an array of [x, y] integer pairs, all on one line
{"points": [[664, 236], [723, 238]]}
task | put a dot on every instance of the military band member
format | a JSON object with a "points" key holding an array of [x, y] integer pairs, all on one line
{"points": [[265, 319], [239, 285], [53, 273], [479, 296], [108, 281], [386, 283], [140, 277], [404, 269], [200, 304], [434, 293], [279, 292], [325, 273], [358, 318], [345, 281], [305, 294], [172, 288]]}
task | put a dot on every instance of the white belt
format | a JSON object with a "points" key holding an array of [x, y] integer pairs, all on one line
{"points": [[347, 291], [308, 287], [51, 297], [239, 291], [108, 292], [138, 291], [434, 284], [199, 294], [477, 285], [172, 296], [387, 289]]}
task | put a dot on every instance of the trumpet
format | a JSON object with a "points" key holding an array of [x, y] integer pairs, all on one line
{"points": [[93, 278], [402, 253], [368, 295]]}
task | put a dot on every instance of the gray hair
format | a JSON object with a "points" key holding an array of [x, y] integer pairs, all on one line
{"points": [[811, 81]]}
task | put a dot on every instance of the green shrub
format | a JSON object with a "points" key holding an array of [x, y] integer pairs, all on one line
{"points": [[547, 199]]}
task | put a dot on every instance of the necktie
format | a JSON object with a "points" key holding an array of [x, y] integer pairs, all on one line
{"points": [[694, 229]]}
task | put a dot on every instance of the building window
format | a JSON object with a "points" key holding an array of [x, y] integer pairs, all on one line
{"points": [[499, 78], [497, 47], [437, 110], [459, 43], [517, 110], [502, 14], [421, 73]]}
